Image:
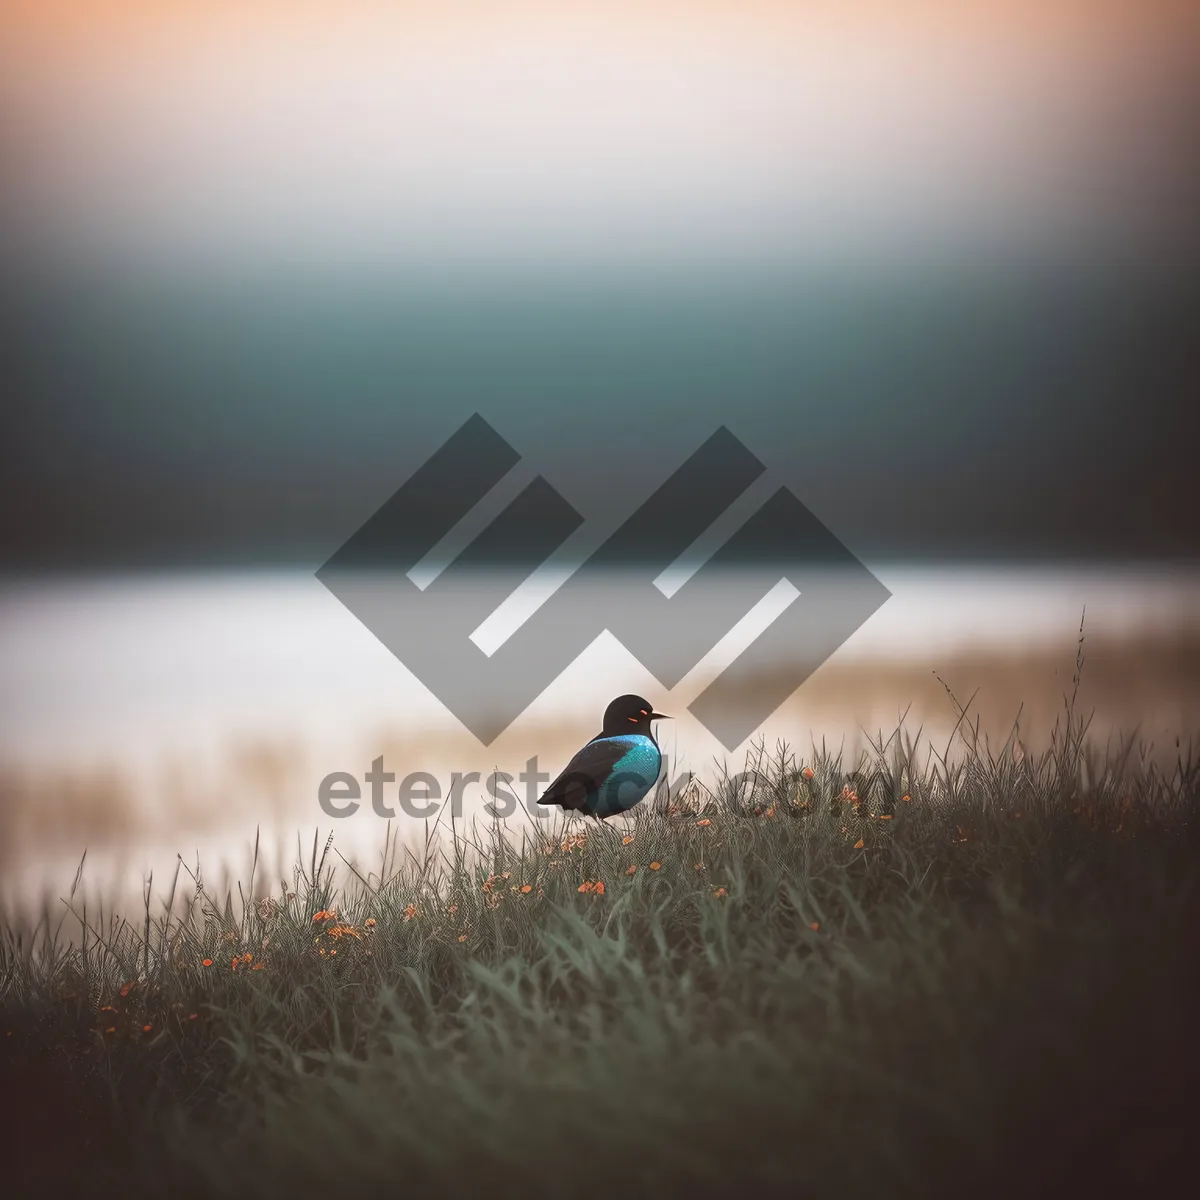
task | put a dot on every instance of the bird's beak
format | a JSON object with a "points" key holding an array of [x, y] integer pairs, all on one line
{"points": [[659, 717]]}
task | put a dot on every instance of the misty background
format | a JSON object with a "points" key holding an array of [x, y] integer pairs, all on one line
{"points": [[937, 270], [1011, 414]]}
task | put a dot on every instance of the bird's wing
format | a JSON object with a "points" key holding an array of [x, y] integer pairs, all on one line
{"points": [[585, 773]]}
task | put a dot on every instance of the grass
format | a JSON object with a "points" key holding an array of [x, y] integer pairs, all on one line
{"points": [[968, 976]]}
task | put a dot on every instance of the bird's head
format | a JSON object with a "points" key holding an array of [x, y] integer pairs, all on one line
{"points": [[630, 714]]}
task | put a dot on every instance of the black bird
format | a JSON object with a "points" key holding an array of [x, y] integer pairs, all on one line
{"points": [[617, 768]]}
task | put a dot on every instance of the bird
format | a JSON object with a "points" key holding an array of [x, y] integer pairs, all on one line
{"points": [[615, 770]]}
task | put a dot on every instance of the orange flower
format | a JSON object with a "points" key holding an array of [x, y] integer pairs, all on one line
{"points": [[630, 870], [859, 844], [815, 926], [526, 889], [770, 811], [885, 816], [720, 892], [654, 866], [319, 916], [599, 888], [703, 824], [807, 772], [410, 911], [125, 989], [111, 1029], [627, 839], [369, 923], [147, 1028], [906, 798], [258, 966], [585, 886], [462, 937], [109, 1008], [207, 962]]}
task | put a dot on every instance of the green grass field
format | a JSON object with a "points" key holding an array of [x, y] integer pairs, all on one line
{"points": [[964, 977]]}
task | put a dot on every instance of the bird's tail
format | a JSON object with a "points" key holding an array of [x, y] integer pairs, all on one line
{"points": [[569, 794]]}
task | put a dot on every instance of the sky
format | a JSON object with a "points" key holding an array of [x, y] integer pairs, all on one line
{"points": [[931, 262], [372, 133]]}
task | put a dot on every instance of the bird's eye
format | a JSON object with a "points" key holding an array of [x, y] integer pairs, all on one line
{"points": [[633, 719], [645, 713]]}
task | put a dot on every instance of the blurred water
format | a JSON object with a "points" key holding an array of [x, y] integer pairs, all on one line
{"points": [[145, 715]]}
